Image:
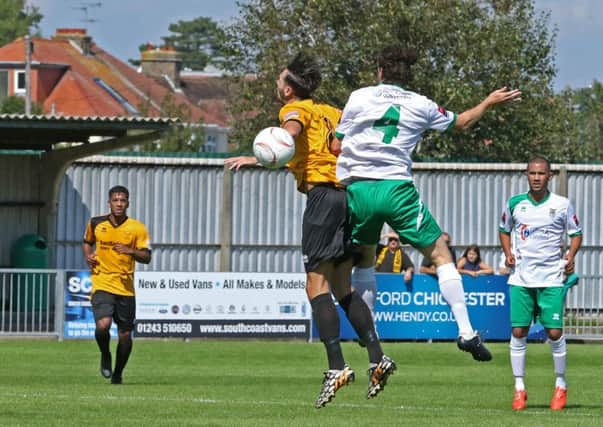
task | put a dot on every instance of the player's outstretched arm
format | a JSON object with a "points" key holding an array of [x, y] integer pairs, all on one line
{"points": [[237, 162], [468, 118]]}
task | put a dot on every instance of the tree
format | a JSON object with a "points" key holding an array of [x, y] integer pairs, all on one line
{"points": [[466, 50], [587, 125], [186, 137], [16, 105], [200, 41], [17, 19]]}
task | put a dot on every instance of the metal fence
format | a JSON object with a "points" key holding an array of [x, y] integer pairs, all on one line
{"points": [[583, 312], [32, 304]]}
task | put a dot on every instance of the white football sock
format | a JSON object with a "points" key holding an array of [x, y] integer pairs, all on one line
{"points": [[365, 284], [451, 287], [518, 348], [559, 350]]}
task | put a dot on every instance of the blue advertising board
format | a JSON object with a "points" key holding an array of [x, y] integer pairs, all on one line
{"points": [[79, 319], [417, 310]]}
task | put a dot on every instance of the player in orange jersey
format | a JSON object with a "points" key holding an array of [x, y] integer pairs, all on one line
{"points": [[112, 244]]}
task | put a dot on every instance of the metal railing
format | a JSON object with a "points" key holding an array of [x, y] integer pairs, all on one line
{"points": [[31, 302], [584, 309]]}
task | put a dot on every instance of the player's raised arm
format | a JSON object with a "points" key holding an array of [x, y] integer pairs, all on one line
{"points": [[468, 118]]}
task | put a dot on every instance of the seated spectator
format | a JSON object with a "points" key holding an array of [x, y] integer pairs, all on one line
{"points": [[471, 263], [427, 267], [392, 259]]}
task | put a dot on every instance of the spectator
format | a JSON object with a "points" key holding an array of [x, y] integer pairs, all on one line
{"points": [[427, 267], [392, 259], [471, 263]]}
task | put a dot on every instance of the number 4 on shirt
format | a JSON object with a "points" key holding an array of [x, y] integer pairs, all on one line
{"points": [[388, 124]]}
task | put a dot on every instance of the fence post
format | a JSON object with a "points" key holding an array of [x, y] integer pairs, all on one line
{"points": [[226, 220], [59, 305], [563, 185]]}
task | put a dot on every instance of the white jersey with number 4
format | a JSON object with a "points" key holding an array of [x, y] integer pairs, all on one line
{"points": [[538, 229], [379, 129]]}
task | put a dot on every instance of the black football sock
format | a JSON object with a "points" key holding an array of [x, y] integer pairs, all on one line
{"points": [[327, 322], [103, 337], [124, 348], [361, 319]]}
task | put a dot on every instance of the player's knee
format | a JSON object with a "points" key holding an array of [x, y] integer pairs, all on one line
{"points": [[554, 334], [520, 333], [103, 324]]}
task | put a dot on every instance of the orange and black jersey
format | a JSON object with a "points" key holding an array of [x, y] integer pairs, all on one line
{"points": [[313, 162], [115, 272]]}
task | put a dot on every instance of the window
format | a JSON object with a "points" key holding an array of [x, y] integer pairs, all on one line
{"points": [[210, 144], [19, 81]]}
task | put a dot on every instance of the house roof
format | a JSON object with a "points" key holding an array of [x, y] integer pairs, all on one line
{"points": [[80, 92]]}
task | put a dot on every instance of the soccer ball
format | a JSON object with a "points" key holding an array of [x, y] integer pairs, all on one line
{"points": [[273, 147]]}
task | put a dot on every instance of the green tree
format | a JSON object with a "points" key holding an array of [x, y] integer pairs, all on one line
{"points": [[16, 105], [186, 137], [200, 41], [587, 104], [17, 19], [466, 50]]}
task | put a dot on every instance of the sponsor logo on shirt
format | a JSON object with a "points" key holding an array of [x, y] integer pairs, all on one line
{"points": [[442, 111], [576, 220], [524, 232]]}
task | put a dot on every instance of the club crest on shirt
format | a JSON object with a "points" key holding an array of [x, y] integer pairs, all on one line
{"points": [[552, 212]]}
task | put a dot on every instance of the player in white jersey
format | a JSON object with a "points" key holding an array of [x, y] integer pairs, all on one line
{"points": [[538, 220], [379, 129]]}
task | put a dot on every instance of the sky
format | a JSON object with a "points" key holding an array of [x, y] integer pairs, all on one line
{"points": [[122, 25]]}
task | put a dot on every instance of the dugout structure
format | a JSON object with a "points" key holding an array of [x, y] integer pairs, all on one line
{"points": [[35, 152]]}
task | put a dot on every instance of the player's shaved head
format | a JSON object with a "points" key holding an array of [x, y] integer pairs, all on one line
{"points": [[540, 159]]}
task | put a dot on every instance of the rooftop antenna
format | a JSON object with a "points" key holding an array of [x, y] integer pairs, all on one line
{"points": [[84, 8]]}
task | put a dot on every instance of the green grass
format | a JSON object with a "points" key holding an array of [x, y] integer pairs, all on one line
{"points": [[260, 383]]}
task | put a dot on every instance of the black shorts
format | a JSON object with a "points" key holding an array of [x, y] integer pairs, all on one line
{"points": [[119, 307], [325, 235]]}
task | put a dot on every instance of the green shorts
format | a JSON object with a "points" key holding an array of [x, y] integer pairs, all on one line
{"points": [[372, 203], [544, 305]]}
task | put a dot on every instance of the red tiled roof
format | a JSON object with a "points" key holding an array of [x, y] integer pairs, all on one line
{"points": [[77, 94]]}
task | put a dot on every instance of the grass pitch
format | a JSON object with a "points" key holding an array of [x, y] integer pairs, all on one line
{"points": [[263, 383]]}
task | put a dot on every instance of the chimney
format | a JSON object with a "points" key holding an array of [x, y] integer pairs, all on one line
{"points": [[77, 36], [161, 63]]}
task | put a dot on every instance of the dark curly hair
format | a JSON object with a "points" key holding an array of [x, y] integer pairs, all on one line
{"points": [[395, 62], [303, 75]]}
